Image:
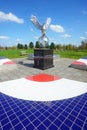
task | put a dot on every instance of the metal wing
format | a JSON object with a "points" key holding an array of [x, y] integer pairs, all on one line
{"points": [[48, 21], [36, 22]]}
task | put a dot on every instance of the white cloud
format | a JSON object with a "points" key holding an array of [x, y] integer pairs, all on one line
{"points": [[57, 28], [86, 33], [83, 38], [31, 29], [36, 37], [18, 40], [4, 37], [10, 17], [66, 36]]}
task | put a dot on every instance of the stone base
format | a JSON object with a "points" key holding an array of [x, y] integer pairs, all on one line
{"points": [[43, 58]]}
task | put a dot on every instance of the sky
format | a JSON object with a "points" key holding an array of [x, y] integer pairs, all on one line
{"points": [[68, 21]]}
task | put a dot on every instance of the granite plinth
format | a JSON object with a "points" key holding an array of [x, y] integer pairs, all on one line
{"points": [[43, 58]]}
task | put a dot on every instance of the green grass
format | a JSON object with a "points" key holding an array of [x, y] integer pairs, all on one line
{"points": [[66, 54], [10, 53], [13, 53], [72, 54]]}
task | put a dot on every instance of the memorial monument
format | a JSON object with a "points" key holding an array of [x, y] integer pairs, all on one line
{"points": [[43, 57]]}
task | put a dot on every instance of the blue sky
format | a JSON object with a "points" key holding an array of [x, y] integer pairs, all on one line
{"points": [[68, 21]]}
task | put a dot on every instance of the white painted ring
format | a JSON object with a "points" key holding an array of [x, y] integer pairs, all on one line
{"points": [[43, 91]]}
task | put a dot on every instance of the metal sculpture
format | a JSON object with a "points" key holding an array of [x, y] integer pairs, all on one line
{"points": [[43, 40]]}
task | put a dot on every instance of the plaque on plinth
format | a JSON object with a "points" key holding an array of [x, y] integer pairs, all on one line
{"points": [[43, 58]]}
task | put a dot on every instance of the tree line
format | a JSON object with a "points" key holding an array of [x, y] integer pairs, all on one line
{"points": [[31, 45], [82, 46]]}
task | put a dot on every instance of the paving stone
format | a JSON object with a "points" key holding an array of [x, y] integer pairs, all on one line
{"points": [[61, 68]]}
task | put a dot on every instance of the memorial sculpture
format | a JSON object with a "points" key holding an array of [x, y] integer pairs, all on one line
{"points": [[43, 57], [43, 40]]}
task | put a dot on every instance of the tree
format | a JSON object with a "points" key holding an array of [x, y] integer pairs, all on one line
{"points": [[31, 45], [37, 44], [58, 46], [83, 45], [20, 46], [52, 46], [25, 46]]}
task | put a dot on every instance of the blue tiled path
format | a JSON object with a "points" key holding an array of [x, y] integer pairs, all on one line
{"points": [[70, 114]]}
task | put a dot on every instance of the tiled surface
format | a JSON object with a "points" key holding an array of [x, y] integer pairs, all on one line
{"points": [[43, 87], [70, 114], [61, 68]]}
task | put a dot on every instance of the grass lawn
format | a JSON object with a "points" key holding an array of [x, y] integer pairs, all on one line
{"points": [[66, 54], [14, 53], [72, 54]]}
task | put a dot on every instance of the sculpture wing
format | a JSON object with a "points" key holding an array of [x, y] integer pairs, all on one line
{"points": [[36, 22], [48, 21]]}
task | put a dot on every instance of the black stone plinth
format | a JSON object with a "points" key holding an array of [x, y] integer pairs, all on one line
{"points": [[43, 58]]}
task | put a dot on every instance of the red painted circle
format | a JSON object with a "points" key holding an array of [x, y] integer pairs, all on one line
{"points": [[43, 78]]}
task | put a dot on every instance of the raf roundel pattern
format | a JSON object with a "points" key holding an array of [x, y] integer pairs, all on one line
{"points": [[44, 113]]}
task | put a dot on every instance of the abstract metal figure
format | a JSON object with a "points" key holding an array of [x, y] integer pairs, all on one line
{"points": [[43, 40]]}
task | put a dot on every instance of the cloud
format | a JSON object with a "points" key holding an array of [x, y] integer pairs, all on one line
{"points": [[36, 37], [57, 28], [10, 17], [4, 37], [18, 40], [66, 36], [31, 29], [86, 33], [83, 38]]}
